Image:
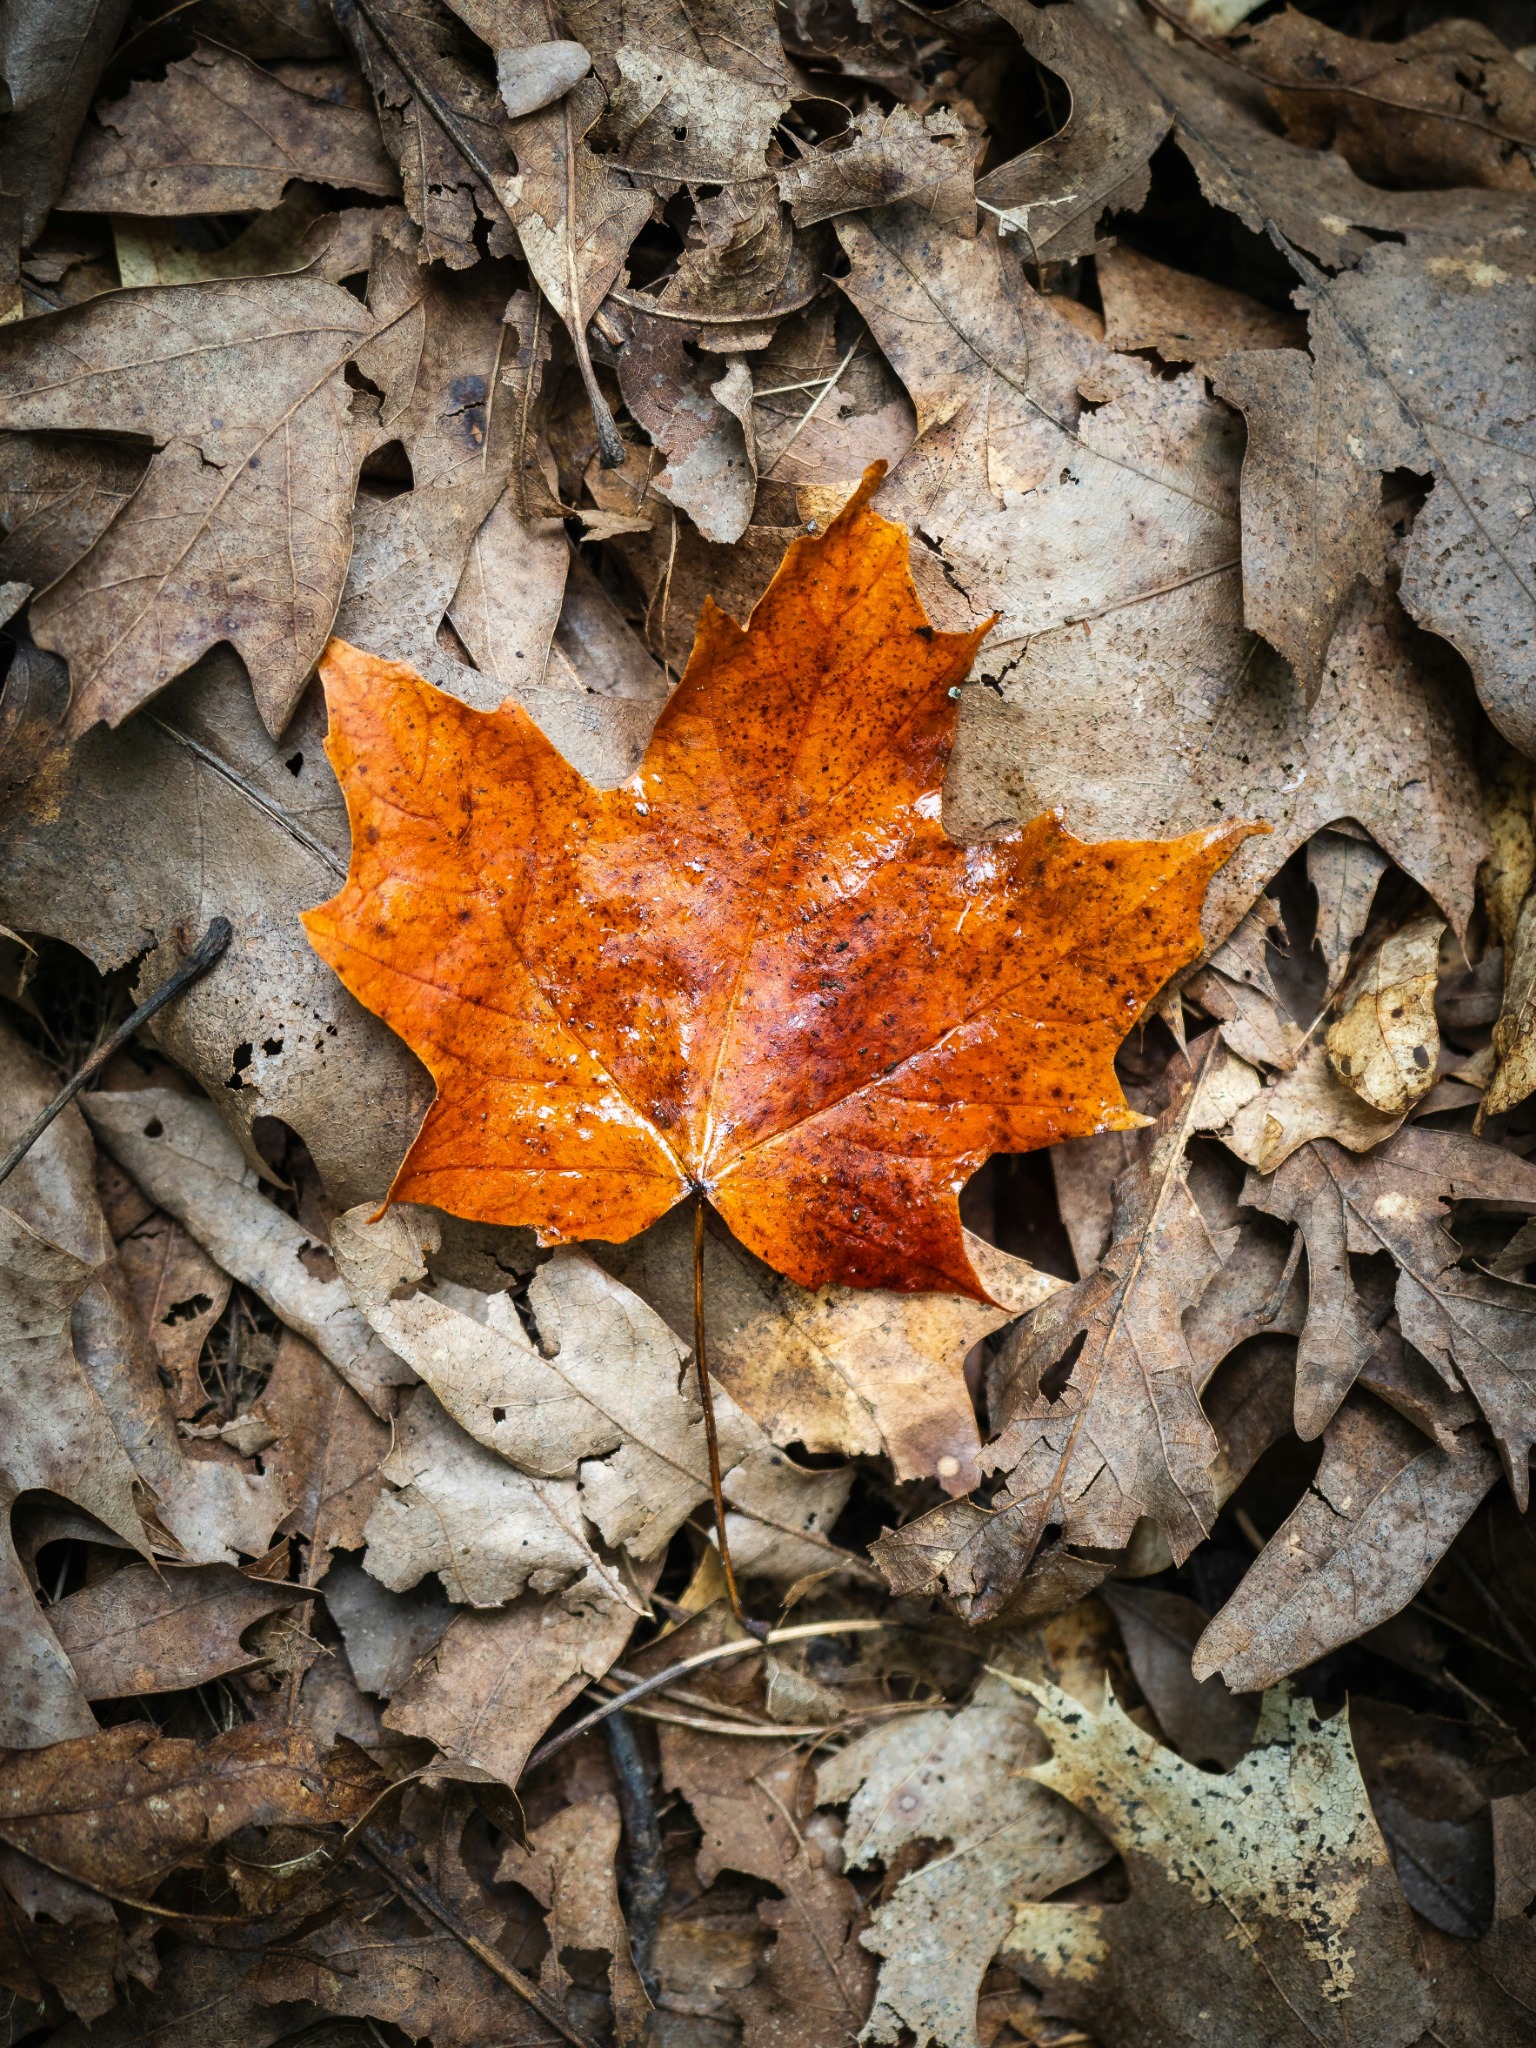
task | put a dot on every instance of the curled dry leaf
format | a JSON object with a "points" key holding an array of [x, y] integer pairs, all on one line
{"points": [[1382, 1511], [1386, 1044], [798, 1122], [883, 160], [218, 134]]}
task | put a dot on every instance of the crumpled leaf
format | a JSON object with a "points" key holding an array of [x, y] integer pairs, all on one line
{"points": [[1309, 1102], [327, 1450], [1262, 1903], [1344, 872], [964, 1780], [802, 1134], [240, 530], [1387, 1043], [699, 415], [884, 159], [218, 134], [178, 1151], [1124, 1435], [1383, 1509]]}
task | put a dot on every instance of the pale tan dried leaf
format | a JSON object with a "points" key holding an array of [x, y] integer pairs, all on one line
{"points": [[1262, 1907], [1236, 988], [1387, 1043], [607, 1399], [1187, 319], [454, 1508], [1514, 1030], [1381, 1512], [178, 1150], [1309, 1102], [144, 1630], [963, 1780], [218, 134], [240, 530], [567, 1865], [537, 74]]}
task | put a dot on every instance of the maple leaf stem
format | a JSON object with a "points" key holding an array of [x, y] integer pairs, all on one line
{"points": [[711, 1434]]}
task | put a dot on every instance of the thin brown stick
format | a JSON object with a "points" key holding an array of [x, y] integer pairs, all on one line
{"points": [[426, 1899], [210, 947], [739, 1646], [711, 1434]]}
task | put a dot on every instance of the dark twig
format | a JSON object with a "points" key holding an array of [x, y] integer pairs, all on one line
{"points": [[711, 1434], [645, 1884], [416, 1892], [209, 948]]}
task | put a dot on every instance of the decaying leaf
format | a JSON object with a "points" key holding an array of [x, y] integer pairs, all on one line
{"points": [[1386, 1043], [1262, 1903], [568, 1866], [965, 1781], [768, 1115]]}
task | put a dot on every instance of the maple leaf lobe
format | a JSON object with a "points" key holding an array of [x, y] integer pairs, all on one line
{"points": [[759, 968]]}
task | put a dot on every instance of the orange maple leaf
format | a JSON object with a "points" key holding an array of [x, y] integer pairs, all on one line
{"points": [[758, 968]]}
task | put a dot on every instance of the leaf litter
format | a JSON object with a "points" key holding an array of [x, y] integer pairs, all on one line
{"points": [[768, 562]]}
